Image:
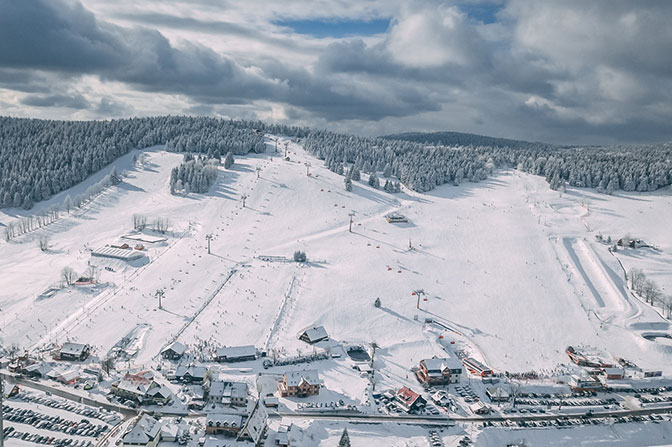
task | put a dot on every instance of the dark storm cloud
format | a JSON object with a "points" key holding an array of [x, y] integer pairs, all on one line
{"points": [[56, 35], [76, 101], [65, 37], [25, 80]]}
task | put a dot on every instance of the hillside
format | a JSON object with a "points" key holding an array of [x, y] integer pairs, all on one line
{"points": [[459, 236], [462, 139]]}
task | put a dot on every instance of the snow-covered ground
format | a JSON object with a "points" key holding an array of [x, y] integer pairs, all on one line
{"points": [[510, 266]]}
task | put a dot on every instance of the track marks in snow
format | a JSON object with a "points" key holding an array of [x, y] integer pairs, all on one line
{"points": [[282, 318], [606, 287]]}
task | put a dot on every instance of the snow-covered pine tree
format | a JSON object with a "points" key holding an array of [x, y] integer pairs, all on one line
{"points": [[345, 439], [228, 160]]}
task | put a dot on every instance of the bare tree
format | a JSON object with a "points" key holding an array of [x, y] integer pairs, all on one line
{"points": [[637, 279], [650, 291], [139, 222], [515, 390], [43, 243], [68, 275], [92, 272], [161, 225], [107, 365], [68, 204], [667, 305]]}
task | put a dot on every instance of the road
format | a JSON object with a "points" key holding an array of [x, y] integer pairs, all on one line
{"points": [[444, 420], [352, 417], [65, 393]]}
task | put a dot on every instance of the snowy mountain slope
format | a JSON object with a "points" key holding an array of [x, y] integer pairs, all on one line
{"points": [[491, 258]]}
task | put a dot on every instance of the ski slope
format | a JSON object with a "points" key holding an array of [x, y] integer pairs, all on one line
{"points": [[509, 265]]}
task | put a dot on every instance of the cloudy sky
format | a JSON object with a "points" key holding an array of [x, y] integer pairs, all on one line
{"points": [[566, 71]]}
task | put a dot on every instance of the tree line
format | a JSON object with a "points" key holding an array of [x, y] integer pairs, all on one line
{"points": [[422, 166], [39, 158]]}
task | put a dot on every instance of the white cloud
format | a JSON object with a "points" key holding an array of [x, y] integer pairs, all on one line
{"points": [[433, 36], [553, 70]]}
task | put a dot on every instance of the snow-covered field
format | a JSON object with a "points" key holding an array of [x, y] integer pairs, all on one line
{"points": [[510, 266]]}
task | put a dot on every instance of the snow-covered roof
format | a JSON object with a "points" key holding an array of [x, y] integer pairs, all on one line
{"points": [[144, 431], [613, 371], [438, 365], [220, 388], [315, 334], [310, 376], [236, 351], [255, 425], [177, 347], [69, 375], [194, 371], [144, 238], [478, 406], [169, 430], [435, 365], [133, 386], [160, 391], [407, 396], [495, 391], [41, 368], [117, 253], [73, 348]]}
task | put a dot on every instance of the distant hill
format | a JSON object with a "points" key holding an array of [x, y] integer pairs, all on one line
{"points": [[462, 139]]}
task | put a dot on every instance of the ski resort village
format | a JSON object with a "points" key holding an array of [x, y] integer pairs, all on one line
{"points": [[283, 298]]}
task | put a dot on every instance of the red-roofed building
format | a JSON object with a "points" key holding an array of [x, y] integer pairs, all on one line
{"points": [[408, 400]]}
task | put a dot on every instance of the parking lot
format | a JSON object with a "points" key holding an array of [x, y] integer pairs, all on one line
{"points": [[47, 420]]}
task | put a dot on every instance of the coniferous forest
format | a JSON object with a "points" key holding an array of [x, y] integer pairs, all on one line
{"points": [[39, 158]]}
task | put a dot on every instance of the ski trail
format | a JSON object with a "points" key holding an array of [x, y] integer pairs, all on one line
{"points": [[283, 312], [578, 266]]}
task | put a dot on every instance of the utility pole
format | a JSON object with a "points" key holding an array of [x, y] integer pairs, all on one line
{"points": [[307, 169], [208, 237], [418, 292], [159, 295], [258, 171], [243, 198], [286, 145], [352, 214]]}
